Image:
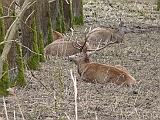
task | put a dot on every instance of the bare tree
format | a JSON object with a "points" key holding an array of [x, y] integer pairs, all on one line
{"points": [[9, 36]]}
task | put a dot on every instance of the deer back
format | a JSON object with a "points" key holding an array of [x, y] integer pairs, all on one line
{"points": [[62, 48], [102, 34]]}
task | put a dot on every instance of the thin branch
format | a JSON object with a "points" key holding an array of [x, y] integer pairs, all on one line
{"points": [[11, 33], [31, 4], [19, 44], [7, 17], [29, 16], [67, 1], [10, 6], [75, 92], [8, 71], [14, 23], [4, 103], [6, 42], [39, 81], [28, 48]]}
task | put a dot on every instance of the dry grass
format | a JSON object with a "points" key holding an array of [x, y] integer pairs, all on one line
{"points": [[139, 54]]}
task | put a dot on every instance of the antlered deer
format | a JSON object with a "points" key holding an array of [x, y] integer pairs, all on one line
{"points": [[101, 34], [64, 48], [100, 73]]}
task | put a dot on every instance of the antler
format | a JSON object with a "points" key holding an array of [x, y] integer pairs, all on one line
{"points": [[108, 43], [78, 46]]}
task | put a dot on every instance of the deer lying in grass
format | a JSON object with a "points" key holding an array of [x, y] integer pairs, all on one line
{"points": [[64, 48], [102, 34], [100, 73]]}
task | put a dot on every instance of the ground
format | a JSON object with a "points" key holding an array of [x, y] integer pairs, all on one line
{"points": [[54, 96]]}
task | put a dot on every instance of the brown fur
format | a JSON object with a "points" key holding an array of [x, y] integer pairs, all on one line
{"points": [[58, 36], [103, 34], [101, 73], [63, 48]]}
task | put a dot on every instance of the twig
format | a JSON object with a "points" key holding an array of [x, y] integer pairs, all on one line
{"points": [[19, 44], [75, 91], [28, 49], [39, 81], [4, 103], [67, 1], [96, 115], [10, 6], [67, 116], [6, 41], [14, 115], [8, 71], [29, 16], [7, 17]]}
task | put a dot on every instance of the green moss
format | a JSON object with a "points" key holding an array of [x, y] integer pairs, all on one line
{"points": [[5, 80], [33, 63], [41, 47], [58, 23], [79, 20], [48, 14], [20, 80], [50, 33], [63, 24], [158, 5]]}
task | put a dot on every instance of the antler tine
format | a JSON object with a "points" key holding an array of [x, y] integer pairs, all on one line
{"points": [[108, 43], [85, 40], [80, 47], [75, 45]]}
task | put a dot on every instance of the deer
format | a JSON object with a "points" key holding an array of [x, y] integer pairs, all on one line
{"points": [[100, 73], [61, 47], [102, 34]]}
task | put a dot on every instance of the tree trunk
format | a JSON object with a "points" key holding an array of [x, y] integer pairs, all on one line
{"points": [[10, 35], [4, 81], [77, 10], [67, 8], [12, 52]]}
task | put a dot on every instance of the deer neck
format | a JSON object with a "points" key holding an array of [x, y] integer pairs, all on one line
{"points": [[82, 67]]}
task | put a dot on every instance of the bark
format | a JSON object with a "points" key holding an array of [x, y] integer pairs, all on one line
{"points": [[11, 33], [77, 10], [68, 14]]}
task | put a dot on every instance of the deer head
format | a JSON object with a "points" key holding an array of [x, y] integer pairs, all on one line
{"points": [[100, 73]]}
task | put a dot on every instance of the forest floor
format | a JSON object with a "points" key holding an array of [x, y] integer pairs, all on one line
{"points": [[139, 53]]}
